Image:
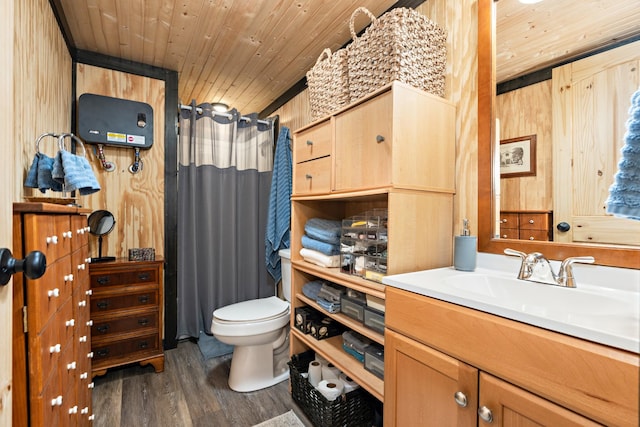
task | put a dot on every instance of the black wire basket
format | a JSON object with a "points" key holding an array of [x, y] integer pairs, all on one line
{"points": [[353, 409]]}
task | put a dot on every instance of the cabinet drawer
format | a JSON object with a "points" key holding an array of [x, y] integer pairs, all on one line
{"points": [[124, 324], [541, 235], [534, 222], [47, 294], [144, 344], [117, 302], [508, 220], [313, 177], [147, 275], [313, 143], [509, 233]]}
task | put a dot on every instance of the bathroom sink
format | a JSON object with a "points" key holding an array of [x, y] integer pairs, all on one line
{"points": [[596, 312]]}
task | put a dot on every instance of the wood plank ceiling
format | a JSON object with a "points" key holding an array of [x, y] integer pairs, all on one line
{"points": [[247, 53]]}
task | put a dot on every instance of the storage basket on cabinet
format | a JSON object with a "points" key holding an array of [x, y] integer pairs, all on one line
{"points": [[328, 83], [353, 409], [401, 45]]}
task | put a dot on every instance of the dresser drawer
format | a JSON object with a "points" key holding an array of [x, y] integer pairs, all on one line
{"points": [[102, 353], [509, 233], [534, 221], [313, 143], [125, 277], [313, 177], [102, 304], [541, 235], [46, 294], [130, 323], [508, 220]]}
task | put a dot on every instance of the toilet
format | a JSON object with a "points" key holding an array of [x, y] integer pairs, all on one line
{"points": [[259, 331]]}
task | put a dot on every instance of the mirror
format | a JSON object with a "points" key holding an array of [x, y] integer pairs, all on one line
{"points": [[101, 222], [487, 166]]}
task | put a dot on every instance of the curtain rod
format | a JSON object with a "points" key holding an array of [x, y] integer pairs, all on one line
{"points": [[227, 115]]}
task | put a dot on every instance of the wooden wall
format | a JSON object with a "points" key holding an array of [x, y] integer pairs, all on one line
{"points": [[459, 18], [522, 112], [136, 201]]}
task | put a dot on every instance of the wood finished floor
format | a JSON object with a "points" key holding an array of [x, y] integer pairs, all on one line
{"points": [[190, 392]]}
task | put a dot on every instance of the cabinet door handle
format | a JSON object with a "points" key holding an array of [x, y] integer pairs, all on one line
{"points": [[103, 328], [144, 276], [309, 142], [143, 299], [308, 176], [102, 352], [143, 344], [379, 139], [485, 414], [143, 322], [461, 399], [102, 305], [103, 280]]}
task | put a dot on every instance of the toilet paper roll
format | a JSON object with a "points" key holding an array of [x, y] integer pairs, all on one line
{"points": [[331, 389], [330, 372], [321, 359], [315, 373], [349, 384]]}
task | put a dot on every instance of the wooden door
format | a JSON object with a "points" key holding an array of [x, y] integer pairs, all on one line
{"points": [[591, 100], [513, 406], [421, 386]]}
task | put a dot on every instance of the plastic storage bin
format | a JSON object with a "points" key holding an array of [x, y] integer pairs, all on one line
{"points": [[363, 245]]}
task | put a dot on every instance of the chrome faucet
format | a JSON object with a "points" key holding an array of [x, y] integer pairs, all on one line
{"points": [[536, 268]]}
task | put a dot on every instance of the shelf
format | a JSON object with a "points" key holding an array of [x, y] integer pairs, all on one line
{"points": [[345, 320], [356, 283], [331, 349]]}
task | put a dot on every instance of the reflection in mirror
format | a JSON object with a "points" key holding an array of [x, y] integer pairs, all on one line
{"points": [[554, 165], [101, 222]]}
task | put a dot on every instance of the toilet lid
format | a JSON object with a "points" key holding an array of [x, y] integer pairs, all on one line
{"points": [[252, 310]]}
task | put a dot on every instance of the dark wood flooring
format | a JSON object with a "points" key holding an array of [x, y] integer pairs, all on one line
{"points": [[190, 392]]}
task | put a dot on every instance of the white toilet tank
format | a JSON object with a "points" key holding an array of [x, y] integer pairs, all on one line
{"points": [[285, 267]]}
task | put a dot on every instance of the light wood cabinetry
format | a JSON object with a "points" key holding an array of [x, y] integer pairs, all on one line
{"points": [[526, 225], [393, 150], [51, 352], [126, 309], [523, 374]]}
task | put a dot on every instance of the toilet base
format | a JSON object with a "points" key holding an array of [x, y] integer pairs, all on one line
{"points": [[247, 375]]}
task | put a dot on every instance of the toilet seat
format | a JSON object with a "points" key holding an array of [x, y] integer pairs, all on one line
{"points": [[257, 310]]}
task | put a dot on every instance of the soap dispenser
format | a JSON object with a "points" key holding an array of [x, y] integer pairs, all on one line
{"points": [[465, 249]]}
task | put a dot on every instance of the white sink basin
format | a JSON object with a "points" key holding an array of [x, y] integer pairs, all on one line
{"points": [[606, 315]]}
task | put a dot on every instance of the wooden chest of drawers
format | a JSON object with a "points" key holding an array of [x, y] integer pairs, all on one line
{"points": [[51, 324], [126, 310], [526, 225]]}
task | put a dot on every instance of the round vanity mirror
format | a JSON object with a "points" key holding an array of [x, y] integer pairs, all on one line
{"points": [[101, 222]]}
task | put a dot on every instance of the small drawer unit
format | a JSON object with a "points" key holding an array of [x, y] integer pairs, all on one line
{"points": [[363, 245], [374, 360], [126, 311], [526, 225]]}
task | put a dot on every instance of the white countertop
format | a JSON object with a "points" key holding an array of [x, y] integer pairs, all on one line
{"points": [[604, 307]]}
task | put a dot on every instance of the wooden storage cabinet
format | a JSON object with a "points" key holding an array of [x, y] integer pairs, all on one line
{"points": [[126, 312], [437, 352], [52, 366], [409, 171], [526, 225]]}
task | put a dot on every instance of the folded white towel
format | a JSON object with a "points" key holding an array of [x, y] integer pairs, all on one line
{"points": [[319, 258]]}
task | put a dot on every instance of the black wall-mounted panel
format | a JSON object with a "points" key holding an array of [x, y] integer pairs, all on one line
{"points": [[115, 121]]}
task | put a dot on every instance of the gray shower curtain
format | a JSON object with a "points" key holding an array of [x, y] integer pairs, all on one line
{"points": [[224, 177]]}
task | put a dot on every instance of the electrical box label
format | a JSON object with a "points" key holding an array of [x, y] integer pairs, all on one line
{"points": [[135, 139], [116, 137]]}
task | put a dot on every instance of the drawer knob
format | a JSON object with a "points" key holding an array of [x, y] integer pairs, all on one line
{"points": [[309, 142], [144, 276], [53, 293], [379, 139], [143, 322], [90, 323], [82, 266], [71, 322], [88, 292], [461, 399], [84, 410], [103, 328], [102, 352], [102, 305], [52, 240], [68, 278], [143, 299], [73, 410], [486, 414], [33, 266], [56, 401], [54, 349], [67, 234], [82, 303], [531, 221], [532, 238], [504, 236], [103, 280], [308, 176], [143, 344], [84, 375], [90, 355], [71, 366], [83, 338], [90, 385], [80, 231]]}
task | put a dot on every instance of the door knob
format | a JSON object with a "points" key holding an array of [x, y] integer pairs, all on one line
{"points": [[33, 266], [563, 227]]}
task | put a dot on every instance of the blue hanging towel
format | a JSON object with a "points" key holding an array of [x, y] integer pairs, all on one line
{"points": [[279, 213], [624, 194]]}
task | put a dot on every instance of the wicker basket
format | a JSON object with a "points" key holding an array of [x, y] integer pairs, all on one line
{"points": [[355, 408], [401, 45], [328, 83]]}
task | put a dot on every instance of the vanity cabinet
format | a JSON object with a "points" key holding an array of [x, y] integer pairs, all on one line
{"points": [[392, 150], [51, 353], [450, 365], [126, 310]]}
